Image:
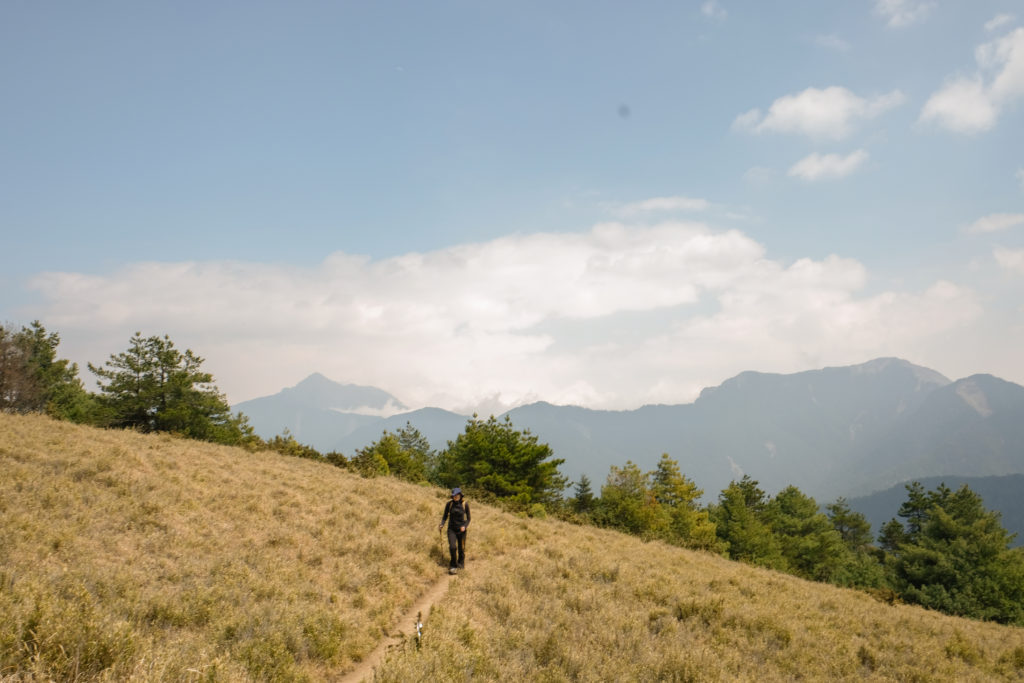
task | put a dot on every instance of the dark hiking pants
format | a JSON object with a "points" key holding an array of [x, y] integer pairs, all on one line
{"points": [[457, 547]]}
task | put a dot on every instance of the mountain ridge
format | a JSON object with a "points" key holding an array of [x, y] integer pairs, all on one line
{"points": [[835, 431]]}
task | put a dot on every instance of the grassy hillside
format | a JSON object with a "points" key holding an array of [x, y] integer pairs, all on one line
{"points": [[130, 557]]}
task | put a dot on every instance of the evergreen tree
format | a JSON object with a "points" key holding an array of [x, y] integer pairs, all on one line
{"points": [[852, 526], [286, 444], [421, 455], [34, 379], [495, 458], [688, 524], [370, 462], [863, 567], [153, 387], [628, 503], [405, 455], [583, 500], [812, 547], [738, 521], [955, 557]]}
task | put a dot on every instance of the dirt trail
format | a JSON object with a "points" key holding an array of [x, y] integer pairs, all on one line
{"points": [[406, 628]]}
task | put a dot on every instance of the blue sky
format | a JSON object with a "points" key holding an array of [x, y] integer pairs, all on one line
{"points": [[479, 204]]}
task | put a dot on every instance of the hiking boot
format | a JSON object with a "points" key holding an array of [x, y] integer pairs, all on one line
{"points": [[452, 570]]}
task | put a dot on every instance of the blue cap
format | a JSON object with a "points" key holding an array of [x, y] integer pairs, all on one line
{"points": [[456, 491]]}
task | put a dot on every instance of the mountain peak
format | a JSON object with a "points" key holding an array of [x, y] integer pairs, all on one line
{"points": [[319, 391]]}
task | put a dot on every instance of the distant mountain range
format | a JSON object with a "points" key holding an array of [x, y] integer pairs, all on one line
{"points": [[844, 431]]}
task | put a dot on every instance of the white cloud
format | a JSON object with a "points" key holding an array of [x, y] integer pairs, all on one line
{"points": [[998, 21], [760, 175], [662, 205], [972, 104], [831, 113], [1010, 259], [832, 42], [900, 13], [821, 167], [712, 9], [995, 223], [614, 317]]}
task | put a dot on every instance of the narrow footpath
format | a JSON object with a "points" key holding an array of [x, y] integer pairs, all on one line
{"points": [[406, 628]]}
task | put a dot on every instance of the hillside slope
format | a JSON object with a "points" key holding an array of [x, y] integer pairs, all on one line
{"points": [[131, 557]]}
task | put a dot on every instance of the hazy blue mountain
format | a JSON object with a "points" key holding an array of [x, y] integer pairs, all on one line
{"points": [[318, 411], [436, 425], [844, 431], [999, 493], [810, 429]]}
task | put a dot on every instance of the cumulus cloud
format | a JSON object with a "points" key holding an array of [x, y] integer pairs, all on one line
{"points": [[1010, 259], [613, 317], [832, 42], [900, 13], [973, 103], [831, 113], [998, 21], [828, 166], [996, 222], [712, 9], [661, 205]]}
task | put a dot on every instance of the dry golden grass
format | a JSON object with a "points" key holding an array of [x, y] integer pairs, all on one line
{"points": [[584, 604], [124, 556], [131, 557]]}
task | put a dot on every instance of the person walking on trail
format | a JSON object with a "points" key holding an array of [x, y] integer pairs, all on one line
{"points": [[456, 513]]}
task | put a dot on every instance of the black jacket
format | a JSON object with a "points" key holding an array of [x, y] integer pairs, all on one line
{"points": [[457, 514]]}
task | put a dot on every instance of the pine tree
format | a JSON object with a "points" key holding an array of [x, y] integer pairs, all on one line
{"points": [[812, 547], [738, 520], [34, 379], [497, 459], [955, 557], [583, 500], [153, 387], [688, 524]]}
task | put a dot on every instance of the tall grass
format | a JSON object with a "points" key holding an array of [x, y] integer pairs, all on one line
{"points": [[149, 558], [125, 556], [584, 604]]}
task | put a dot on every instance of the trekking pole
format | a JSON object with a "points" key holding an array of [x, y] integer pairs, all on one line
{"points": [[440, 543]]}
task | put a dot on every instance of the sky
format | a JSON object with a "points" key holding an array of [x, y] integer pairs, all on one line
{"points": [[475, 205]]}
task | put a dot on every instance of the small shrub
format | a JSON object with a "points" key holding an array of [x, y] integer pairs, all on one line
{"points": [[960, 648], [866, 658], [708, 611], [1014, 658], [268, 658]]}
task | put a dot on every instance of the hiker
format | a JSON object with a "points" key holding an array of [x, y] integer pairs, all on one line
{"points": [[456, 512]]}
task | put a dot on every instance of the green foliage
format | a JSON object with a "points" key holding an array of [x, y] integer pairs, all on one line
{"points": [[660, 504], [686, 524], [583, 501], [405, 454], [153, 387], [811, 546], [853, 526], [371, 462], [628, 503], [286, 444], [738, 519], [862, 567], [495, 458], [33, 379], [955, 556]]}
